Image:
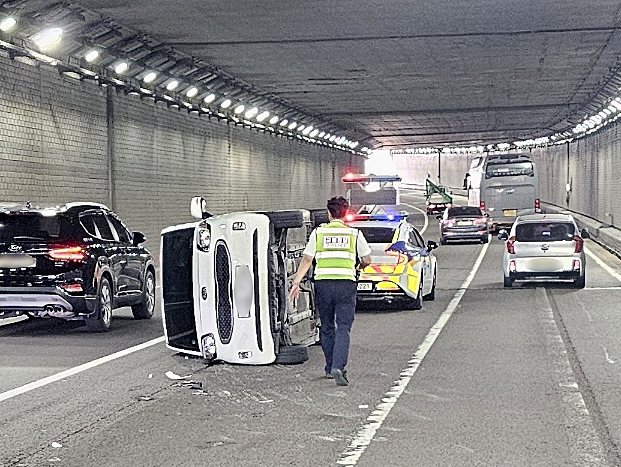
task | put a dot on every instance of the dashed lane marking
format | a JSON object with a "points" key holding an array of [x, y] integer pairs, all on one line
{"points": [[367, 432], [78, 369]]}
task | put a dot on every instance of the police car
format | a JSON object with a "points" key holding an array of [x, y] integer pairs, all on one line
{"points": [[403, 267], [225, 281]]}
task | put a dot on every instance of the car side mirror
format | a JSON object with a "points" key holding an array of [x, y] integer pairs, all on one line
{"points": [[431, 245], [439, 216], [584, 233], [198, 208], [503, 235], [138, 238], [486, 214]]}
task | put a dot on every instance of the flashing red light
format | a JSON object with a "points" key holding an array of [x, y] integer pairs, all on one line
{"points": [[72, 253], [511, 245], [537, 205], [482, 205], [350, 217], [579, 244], [348, 176]]}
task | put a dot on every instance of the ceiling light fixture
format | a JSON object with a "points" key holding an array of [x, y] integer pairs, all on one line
{"points": [[284, 122], [314, 133], [226, 103], [48, 38], [121, 68], [191, 92], [210, 98], [172, 85], [150, 77], [251, 113], [91, 56], [7, 24], [263, 115], [292, 125]]}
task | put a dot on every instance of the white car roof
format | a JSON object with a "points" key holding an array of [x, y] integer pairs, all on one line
{"points": [[545, 217]]}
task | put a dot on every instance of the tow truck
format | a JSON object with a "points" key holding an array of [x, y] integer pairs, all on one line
{"points": [[437, 198], [372, 197]]}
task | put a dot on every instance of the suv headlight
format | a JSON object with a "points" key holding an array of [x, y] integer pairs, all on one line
{"points": [[203, 239], [209, 346]]}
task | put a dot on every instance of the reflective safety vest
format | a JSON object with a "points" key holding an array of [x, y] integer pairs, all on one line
{"points": [[336, 252]]}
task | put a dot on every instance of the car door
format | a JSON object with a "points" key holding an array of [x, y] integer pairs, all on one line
{"points": [[113, 250], [133, 272], [426, 258]]}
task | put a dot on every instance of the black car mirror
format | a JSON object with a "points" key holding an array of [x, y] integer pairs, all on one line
{"points": [[431, 245], [584, 233], [503, 235], [139, 238], [439, 216]]}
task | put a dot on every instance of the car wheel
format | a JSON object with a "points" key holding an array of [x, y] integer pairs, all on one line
{"points": [[291, 354], [580, 282], [432, 294], [417, 303], [442, 241], [508, 282], [100, 320], [146, 307], [485, 239]]}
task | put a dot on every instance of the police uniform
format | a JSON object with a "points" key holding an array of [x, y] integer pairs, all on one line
{"points": [[335, 248]]}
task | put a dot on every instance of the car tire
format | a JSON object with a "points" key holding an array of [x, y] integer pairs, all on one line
{"points": [[319, 216], [291, 354], [442, 241], [580, 283], [286, 219], [507, 282], [146, 307], [102, 317], [485, 239], [417, 303], [432, 294]]}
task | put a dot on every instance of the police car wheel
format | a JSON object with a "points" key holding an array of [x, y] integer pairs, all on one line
{"points": [[417, 303], [432, 294], [291, 354], [286, 219]]}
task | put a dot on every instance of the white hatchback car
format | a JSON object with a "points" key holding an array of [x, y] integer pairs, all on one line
{"points": [[544, 246]]}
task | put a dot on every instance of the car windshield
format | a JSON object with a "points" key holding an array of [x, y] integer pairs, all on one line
{"points": [[508, 169], [464, 211], [33, 226], [378, 234], [544, 231]]}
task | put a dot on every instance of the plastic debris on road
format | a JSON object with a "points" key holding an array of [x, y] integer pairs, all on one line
{"points": [[172, 375], [56, 445], [189, 384]]}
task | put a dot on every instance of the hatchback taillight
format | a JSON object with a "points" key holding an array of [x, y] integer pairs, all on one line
{"points": [[480, 221], [449, 222], [579, 244], [511, 245], [67, 253]]}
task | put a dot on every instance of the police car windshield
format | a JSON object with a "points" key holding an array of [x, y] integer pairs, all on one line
{"points": [[378, 234]]}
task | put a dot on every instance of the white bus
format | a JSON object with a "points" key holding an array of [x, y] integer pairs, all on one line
{"points": [[504, 186]]}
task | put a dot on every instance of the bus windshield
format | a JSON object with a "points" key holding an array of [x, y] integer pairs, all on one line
{"points": [[508, 169]]}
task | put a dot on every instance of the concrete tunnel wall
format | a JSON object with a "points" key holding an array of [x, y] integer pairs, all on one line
{"points": [[66, 140]]}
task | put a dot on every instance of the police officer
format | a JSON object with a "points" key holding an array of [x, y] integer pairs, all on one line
{"points": [[335, 248]]}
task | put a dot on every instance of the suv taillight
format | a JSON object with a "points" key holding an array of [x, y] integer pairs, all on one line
{"points": [[482, 206], [579, 244], [67, 253], [510, 245], [537, 205]]}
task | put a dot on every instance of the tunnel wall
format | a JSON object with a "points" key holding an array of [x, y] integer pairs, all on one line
{"points": [[65, 140]]}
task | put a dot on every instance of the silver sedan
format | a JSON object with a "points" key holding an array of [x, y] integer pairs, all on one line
{"points": [[544, 246]]}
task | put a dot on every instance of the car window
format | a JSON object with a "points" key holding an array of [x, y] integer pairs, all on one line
{"points": [[122, 233], [378, 234], [87, 222], [102, 226], [419, 240], [34, 226], [544, 231], [464, 211]]}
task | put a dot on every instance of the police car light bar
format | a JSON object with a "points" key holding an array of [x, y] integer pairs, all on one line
{"points": [[376, 217], [360, 178]]}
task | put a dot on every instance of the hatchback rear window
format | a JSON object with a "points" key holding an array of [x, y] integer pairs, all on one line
{"points": [[378, 234], [464, 211], [33, 226], [544, 231]]}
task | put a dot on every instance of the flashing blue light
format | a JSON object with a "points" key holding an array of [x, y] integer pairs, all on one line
{"points": [[391, 217]]}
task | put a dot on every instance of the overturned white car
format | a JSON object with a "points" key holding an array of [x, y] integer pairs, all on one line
{"points": [[225, 281]]}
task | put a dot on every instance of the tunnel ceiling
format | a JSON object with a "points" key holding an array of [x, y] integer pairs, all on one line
{"points": [[395, 73]]}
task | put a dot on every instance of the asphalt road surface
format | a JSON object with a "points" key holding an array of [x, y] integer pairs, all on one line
{"points": [[482, 376]]}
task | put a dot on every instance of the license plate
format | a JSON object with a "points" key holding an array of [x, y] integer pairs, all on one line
{"points": [[11, 261], [464, 223], [510, 212], [366, 286]]}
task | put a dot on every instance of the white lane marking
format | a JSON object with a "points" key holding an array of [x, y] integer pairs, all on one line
{"points": [[365, 435], [16, 319], [78, 369], [599, 261], [422, 211], [586, 447], [608, 359], [602, 288]]}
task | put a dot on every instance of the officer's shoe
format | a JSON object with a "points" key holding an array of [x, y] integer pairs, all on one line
{"points": [[329, 375], [340, 377]]}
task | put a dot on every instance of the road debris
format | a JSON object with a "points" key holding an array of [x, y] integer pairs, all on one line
{"points": [[174, 376], [56, 445]]}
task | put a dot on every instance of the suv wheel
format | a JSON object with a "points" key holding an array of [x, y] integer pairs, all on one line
{"points": [[291, 355], [144, 309], [580, 282], [101, 319], [507, 282]]}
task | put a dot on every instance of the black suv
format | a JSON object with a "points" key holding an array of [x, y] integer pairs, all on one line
{"points": [[76, 261]]}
